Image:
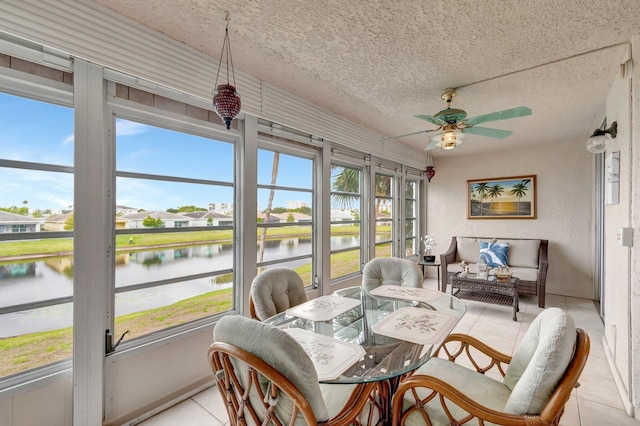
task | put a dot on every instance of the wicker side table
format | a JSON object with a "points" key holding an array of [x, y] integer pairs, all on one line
{"points": [[487, 290]]}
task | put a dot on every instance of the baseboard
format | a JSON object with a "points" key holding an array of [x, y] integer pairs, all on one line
{"points": [[622, 390], [143, 413]]}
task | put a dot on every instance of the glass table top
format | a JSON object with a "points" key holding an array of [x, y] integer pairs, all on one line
{"points": [[371, 337]]}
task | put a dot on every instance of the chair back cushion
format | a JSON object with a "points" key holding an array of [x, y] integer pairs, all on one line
{"points": [[540, 361], [279, 350], [276, 290], [391, 271]]}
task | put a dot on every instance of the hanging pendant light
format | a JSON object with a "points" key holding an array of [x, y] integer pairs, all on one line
{"points": [[226, 102], [431, 168]]}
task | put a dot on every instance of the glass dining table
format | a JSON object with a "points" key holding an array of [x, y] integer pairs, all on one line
{"points": [[360, 335]]}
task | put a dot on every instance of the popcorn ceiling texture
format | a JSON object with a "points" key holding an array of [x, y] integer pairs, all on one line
{"points": [[379, 63]]}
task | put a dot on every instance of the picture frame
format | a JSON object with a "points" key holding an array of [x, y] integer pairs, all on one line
{"points": [[512, 197]]}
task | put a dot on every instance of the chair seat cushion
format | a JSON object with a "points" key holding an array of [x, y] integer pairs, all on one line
{"points": [[489, 392], [336, 395]]}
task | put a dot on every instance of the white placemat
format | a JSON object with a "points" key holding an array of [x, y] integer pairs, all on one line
{"points": [[406, 293], [330, 356], [323, 308], [417, 325]]}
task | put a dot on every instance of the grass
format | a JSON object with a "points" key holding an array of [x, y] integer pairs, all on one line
{"points": [[28, 351], [64, 246]]}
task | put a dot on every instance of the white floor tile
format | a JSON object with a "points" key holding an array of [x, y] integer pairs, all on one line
{"points": [[595, 402], [186, 413], [596, 414]]}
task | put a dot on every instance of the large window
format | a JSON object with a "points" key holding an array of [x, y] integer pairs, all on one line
{"points": [[36, 233], [346, 201], [174, 227], [285, 212], [384, 215]]}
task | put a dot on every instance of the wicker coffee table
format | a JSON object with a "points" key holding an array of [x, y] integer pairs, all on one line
{"points": [[487, 290]]}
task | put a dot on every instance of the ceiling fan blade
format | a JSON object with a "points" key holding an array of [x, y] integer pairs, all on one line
{"points": [[431, 145], [431, 119], [485, 131], [409, 134], [500, 115]]}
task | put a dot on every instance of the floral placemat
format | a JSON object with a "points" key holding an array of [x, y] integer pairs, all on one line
{"points": [[330, 356], [406, 293], [417, 325], [323, 308]]}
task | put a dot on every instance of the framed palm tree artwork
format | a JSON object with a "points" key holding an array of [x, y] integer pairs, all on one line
{"points": [[511, 197]]}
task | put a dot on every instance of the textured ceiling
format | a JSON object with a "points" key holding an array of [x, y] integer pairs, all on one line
{"points": [[380, 62]]}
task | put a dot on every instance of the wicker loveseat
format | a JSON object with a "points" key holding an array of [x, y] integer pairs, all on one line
{"points": [[527, 260]]}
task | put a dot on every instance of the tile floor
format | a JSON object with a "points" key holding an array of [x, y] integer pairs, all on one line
{"points": [[595, 403]]}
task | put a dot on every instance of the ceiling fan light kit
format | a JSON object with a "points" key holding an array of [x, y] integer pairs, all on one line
{"points": [[449, 138], [597, 142]]}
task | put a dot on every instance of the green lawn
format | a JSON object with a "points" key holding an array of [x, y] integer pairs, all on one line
{"points": [[64, 246], [27, 351]]}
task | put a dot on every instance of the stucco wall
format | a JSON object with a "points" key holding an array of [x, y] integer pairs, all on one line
{"points": [[617, 257], [622, 264], [635, 224], [564, 171]]}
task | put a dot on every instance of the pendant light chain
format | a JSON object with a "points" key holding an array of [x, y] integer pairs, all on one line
{"points": [[226, 102]]}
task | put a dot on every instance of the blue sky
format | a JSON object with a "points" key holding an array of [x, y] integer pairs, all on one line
{"points": [[43, 133]]}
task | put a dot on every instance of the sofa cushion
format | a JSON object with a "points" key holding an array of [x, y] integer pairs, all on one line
{"points": [[522, 253], [468, 248], [494, 254]]}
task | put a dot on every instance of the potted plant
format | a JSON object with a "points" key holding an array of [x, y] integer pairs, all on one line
{"points": [[428, 243]]}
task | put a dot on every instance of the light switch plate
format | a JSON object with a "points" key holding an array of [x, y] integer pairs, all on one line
{"points": [[626, 237]]}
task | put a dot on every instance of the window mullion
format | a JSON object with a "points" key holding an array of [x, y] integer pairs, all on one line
{"points": [[92, 245]]}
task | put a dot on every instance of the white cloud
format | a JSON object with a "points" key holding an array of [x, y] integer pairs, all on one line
{"points": [[67, 140], [128, 128]]}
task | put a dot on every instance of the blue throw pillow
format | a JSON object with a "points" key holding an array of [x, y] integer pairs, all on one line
{"points": [[494, 254]]}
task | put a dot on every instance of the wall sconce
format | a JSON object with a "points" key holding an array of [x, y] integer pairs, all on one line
{"points": [[596, 143]]}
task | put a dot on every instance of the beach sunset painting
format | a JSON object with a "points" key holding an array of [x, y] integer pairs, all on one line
{"points": [[502, 198]]}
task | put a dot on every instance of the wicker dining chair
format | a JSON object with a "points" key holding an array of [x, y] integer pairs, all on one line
{"points": [[275, 290], [266, 378], [391, 271], [536, 384]]}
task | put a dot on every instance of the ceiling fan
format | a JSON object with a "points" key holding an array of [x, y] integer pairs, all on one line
{"points": [[454, 123]]}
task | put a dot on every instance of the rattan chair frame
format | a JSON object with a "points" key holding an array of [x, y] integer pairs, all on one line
{"points": [[445, 393], [236, 395]]}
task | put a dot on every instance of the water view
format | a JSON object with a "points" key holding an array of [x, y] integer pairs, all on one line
{"points": [[51, 278]]}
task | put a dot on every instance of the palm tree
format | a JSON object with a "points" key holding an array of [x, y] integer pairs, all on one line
{"points": [[481, 190], [383, 189], [346, 187], [494, 192], [520, 190], [267, 212]]}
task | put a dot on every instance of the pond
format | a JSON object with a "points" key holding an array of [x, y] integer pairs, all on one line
{"points": [[50, 278]]}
